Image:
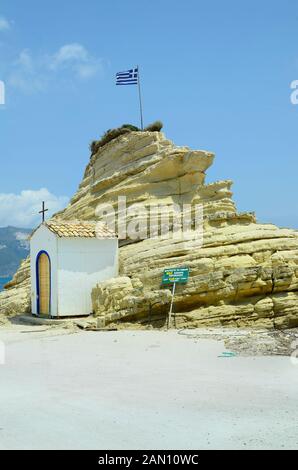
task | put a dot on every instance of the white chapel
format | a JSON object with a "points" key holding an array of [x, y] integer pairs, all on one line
{"points": [[68, 259]]}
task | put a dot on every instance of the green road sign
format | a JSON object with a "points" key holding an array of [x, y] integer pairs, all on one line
{"points": [[175, 275]]}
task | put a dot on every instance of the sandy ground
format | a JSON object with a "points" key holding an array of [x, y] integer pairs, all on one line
{"points": [[65, 389]]}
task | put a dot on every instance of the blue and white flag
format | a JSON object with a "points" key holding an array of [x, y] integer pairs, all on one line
{"points": [[129, 77]]}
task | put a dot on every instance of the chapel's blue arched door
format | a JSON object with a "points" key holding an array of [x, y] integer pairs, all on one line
{"points": [[43, 283]]}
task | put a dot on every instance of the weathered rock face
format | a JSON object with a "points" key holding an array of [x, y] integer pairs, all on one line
{"points": [[15, 299], [243, 273]]}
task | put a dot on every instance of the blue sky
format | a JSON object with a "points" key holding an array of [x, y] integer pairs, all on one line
{"points": [[217, 74]]}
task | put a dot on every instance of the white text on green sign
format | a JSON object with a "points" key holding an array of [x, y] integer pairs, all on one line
{"points": [[177, 275]]}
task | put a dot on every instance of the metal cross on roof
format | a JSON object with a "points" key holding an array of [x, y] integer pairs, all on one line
{"points": [[43, 211]]}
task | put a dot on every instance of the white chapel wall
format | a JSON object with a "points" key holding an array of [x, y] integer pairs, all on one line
{"points": [[45, 240], [82, 263]]}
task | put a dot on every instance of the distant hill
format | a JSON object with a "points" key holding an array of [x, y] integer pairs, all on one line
{"points": [[14, 246]]}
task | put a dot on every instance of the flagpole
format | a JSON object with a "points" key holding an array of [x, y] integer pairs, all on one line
{"points": [[140, 98]]}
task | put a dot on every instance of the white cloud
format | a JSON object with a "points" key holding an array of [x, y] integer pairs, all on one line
{"points": [[4, 24], [27, 75], [71, 61], [22, 238], [74, 57], [70, 53], [25, 60], [21, 210]]}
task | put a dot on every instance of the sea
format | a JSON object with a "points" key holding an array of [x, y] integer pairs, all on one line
{"points": [[3, 281]]}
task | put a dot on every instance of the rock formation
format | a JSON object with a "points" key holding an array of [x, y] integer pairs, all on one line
{"points": [[244, 273]]}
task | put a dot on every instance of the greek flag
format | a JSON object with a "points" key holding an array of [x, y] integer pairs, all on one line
{"points": [[129, 77]]}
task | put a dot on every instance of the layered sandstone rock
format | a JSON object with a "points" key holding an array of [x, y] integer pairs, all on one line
{"points": [[15, 299], [244, 274], [241, 272]]}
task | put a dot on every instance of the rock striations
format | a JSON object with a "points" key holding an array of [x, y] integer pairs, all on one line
{"points": [[241, 272]]}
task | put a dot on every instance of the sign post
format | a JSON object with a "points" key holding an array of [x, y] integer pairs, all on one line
{"points": [[172, 277], [171, 307]]}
